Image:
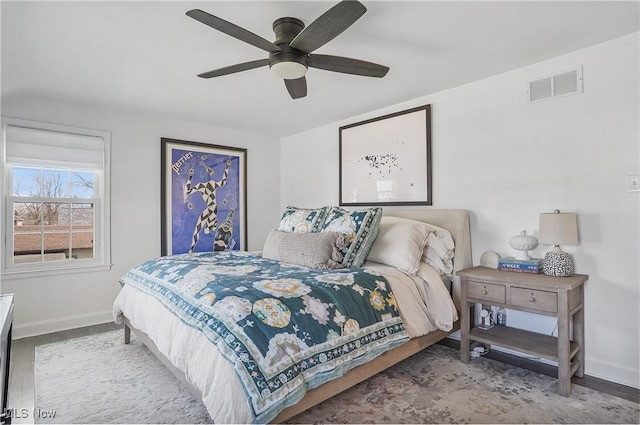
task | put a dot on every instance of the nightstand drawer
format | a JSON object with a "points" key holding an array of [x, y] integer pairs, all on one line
{"points": [[534, 299], [486, 292]]}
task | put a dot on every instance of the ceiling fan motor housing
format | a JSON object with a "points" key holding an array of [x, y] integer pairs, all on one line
{"points": [[286, 29], [289, 63]]}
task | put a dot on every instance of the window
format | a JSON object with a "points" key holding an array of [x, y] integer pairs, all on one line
{"points": [[55, 197]]}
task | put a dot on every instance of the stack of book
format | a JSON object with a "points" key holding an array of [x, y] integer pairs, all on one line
{"points": [[510, 264]]}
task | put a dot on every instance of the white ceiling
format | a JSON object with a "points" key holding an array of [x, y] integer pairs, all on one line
{"points": [[145, 55]]}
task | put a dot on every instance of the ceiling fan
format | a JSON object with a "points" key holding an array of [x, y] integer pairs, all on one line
{"points": [[290, 54]]}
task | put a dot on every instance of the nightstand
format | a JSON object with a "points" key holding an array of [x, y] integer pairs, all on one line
{"points": [[560, 297]]}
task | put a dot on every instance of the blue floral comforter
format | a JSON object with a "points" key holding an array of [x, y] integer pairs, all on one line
{"points": [[286, 328]]}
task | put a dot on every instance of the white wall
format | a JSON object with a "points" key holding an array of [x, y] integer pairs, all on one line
{"points": [[507, 162], [62, 302]]}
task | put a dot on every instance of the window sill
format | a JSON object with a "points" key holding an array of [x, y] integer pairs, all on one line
{"points": [[28, 274]]}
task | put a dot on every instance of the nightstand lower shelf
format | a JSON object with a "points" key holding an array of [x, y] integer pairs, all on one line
{"points": [[523, 341]]}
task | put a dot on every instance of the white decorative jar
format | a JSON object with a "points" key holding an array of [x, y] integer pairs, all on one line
{"points": [[523, 243]]}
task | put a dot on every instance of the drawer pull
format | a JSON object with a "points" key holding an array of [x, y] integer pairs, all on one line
{"points": [[484, 292], [531, 299]]}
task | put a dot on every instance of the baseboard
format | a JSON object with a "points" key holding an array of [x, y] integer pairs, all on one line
{"points": [[30, 329], [609, 372]]}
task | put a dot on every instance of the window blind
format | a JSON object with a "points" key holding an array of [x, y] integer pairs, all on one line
{"points": [[32, 146]]}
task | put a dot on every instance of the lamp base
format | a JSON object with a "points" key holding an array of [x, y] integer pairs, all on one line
{"points": [[558, 263]]}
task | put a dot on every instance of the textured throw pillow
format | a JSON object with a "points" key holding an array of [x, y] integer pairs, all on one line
{"points": [[400, 243], [302, 220], [317, 250], [359, 227]]}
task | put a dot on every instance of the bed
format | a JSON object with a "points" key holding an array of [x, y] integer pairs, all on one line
{"points": [[215, 378]]}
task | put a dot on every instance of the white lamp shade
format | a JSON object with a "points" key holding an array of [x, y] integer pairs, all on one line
{"points": [[558, 228], [289, 70]]}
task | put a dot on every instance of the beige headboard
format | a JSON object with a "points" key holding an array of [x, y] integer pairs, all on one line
{"points": [[454, 220]]}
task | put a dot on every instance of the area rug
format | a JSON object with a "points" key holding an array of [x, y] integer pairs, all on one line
{"points": [[98, 379]]}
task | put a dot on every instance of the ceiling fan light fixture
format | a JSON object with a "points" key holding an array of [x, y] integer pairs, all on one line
{"points": [[289, 70]]}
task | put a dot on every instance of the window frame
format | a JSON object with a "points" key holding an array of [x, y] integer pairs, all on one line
{"points": [[102, 211]]}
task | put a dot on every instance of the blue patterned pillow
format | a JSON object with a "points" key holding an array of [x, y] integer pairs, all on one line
{"points": [[302, 220], [360, 228]]}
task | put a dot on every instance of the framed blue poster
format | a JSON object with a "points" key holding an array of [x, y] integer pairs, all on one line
{"points": [[203, 197]]}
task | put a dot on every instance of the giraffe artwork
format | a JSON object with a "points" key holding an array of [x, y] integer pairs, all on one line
{"points": [[204, 206]]}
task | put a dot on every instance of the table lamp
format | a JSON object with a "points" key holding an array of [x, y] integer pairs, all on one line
{"points": [[555, 229]]}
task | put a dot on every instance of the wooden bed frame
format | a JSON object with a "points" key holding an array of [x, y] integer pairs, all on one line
{"points": [[454, 220]]}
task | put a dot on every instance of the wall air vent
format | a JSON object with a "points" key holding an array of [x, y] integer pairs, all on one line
{"points": [[554, 86]]}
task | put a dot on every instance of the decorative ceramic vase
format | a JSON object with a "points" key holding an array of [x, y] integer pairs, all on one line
{"points": [[558, 263], [523, 243]]}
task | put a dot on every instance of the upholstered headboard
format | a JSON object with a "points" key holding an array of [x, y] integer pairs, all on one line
{"points": [[454, 220]]}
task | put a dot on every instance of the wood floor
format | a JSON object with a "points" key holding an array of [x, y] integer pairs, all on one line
{"points": [[22, 379]]}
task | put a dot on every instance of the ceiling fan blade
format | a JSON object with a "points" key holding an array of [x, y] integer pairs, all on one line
{"points": [[233, 30], [347, 65], [297, 88], [234, 68], [328, 26]]}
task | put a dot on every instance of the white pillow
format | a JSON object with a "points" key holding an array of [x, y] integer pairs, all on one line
{"points": [[317, 250], [439, 250], [400, 243]]}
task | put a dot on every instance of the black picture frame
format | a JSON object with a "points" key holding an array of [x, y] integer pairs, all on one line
{"points": [[387, 160], [203, 197]]}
